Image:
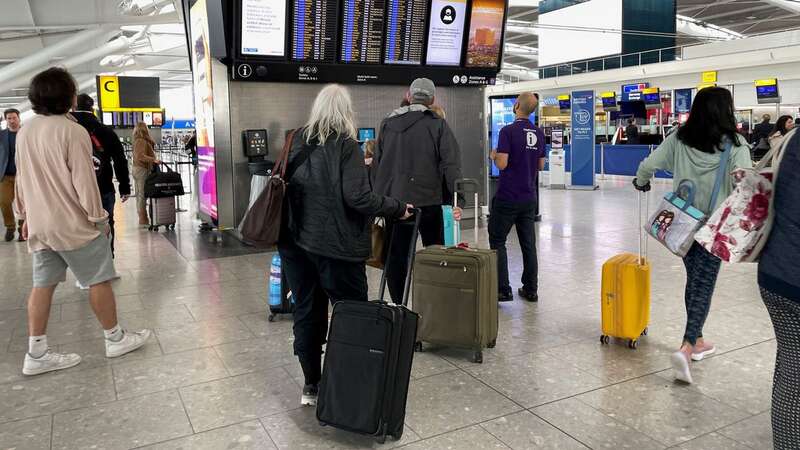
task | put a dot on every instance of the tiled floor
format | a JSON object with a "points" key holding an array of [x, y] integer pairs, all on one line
{"points": [[219, 376]]}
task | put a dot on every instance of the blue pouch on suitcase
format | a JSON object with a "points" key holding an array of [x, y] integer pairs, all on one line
{"points": [[452, 228]]}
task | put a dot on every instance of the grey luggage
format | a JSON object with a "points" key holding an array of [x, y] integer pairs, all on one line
{"points": [[455, 294], [162, 213]]}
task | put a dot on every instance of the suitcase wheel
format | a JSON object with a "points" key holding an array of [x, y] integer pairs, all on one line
{"points": [[633, 344], [271, 317], [381, 439], [399, 435], [322, 424], [418, 347], [492, 344], [605, 339], [478, 357], [644, 333]]}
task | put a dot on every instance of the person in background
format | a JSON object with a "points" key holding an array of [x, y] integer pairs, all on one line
{"points": [[779, 282], [674, 128], [108, 157], [65, 223], [439, 111], [632, 132], [325, 234], [8, 173], [797, 121], [520, 155], [369, 152], [693, 153], [191, 149], [416, 155], [144, 159], [762, 130], [782, 126]]}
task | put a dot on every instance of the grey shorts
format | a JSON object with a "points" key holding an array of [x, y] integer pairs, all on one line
{"points": [[92, 264]]}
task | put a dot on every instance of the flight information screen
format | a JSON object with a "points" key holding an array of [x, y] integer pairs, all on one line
{"points": [[362, 30], [405, 31], [314, 30]]}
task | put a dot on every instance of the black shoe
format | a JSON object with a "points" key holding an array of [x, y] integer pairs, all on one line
{"points": [[309, 397], [20, 238], [506, 296], [9, 234], [530, 296]]}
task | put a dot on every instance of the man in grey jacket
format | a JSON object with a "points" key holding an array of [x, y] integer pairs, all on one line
{"points": [[417, 161], [8, 171]]}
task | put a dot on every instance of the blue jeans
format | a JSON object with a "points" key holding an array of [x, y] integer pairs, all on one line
{"points": [[702, 269], [108, 200], [502, 217]]}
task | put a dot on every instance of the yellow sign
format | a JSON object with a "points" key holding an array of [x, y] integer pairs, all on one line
{"points": [[709, 77], [109, 92], [650, 91], [608, 95], [767, 82], [563, 97], [702, 86]]}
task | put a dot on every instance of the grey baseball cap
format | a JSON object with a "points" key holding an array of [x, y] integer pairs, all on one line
{"points": [[422, 90]]}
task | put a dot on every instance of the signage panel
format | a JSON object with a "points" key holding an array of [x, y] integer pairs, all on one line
{"points": [[583, 130], [264, 27], [446, 32], [485, 33]]}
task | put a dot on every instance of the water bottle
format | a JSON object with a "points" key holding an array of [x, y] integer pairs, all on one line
{"points": [[275, 282]]}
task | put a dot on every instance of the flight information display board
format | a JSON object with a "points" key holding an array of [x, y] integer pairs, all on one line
{"points": [[362, 31], [405, 31], [314, 25]]}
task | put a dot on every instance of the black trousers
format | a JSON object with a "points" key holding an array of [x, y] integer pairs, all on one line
{"points": [[108, 199], [431, 229], [502, 217], [316, 281]]}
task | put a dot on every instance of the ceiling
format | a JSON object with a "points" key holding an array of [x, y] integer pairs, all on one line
{"points": [[698, 21], [146, 37]]}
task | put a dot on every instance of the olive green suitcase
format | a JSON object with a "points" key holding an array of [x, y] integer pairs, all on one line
{"points": [[455, 294]]}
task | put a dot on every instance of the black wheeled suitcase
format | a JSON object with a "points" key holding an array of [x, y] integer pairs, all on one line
{"points": [[368, 361]]}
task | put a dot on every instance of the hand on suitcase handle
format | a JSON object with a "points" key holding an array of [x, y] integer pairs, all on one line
{"points": [[410, 211]]}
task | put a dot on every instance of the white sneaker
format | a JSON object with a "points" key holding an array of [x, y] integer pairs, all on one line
{"points": [[80, 286], [49, 362], [680, 367], [130, 341]]}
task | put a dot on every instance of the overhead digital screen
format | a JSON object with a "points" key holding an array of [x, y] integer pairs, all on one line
{"points": [[446, 32], [485, 33], [579, 32], [362, 31], [263, 27], [405, 31], [314, 30]]}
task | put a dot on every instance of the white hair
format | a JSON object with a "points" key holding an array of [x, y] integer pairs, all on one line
{"points": [[331, 114]]}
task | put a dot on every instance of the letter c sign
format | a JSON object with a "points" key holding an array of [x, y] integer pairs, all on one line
{"points": [[108, 87]]}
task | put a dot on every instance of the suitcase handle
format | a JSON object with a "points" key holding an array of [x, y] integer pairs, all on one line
{"points": [[642, 237], [463, 182], [412, 253]]}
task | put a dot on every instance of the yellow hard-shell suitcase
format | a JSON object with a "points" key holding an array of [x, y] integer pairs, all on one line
{"points": [[625, 296]]}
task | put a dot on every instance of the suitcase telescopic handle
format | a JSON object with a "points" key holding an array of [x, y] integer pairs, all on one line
{"points": [[412, 253], [642, 236], [463, 182]]}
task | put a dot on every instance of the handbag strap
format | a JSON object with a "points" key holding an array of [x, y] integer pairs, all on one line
{"points": [[721, 172], [280, 164]]}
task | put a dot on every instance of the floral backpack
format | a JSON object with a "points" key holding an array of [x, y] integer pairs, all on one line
{"points": [[738, 230]]}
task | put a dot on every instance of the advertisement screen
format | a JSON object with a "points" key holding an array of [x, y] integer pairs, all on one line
{"points": [[204, 111], [502, 113], [579, 32], [405, 31], [263, 27], [485, 32], [446, 32]]}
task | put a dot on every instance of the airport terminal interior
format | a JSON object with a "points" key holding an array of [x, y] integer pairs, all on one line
{"points": [[219, 84]]}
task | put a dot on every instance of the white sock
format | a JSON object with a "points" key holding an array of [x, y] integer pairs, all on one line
{"points": [[37, 345], [114, 334]]}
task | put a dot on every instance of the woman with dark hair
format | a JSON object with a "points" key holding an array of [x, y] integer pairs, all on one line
{"points": [[694, 153], [782, 126]]}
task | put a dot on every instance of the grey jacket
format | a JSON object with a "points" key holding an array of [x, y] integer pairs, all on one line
{"points": [[416, 156], [4, 153]]}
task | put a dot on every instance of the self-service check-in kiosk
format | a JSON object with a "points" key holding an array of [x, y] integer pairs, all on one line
{"points": [[557, 160]]}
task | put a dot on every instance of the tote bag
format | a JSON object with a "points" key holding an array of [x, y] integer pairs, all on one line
{"points": [[675, 221], [738, 230]]}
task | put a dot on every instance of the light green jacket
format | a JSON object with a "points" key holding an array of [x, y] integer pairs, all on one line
{"points": [[687, 163]]}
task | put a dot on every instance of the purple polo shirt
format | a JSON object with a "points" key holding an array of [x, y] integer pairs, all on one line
{"points": [[524, 144]]}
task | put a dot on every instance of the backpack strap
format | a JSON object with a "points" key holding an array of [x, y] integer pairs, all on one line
{"points": [[721, 172]]}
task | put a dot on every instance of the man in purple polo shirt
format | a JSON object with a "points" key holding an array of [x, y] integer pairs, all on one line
{"points": [[520, 156]]}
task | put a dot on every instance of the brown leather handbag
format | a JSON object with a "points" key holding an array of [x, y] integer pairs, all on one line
{"points": [[377, 255], [262, 226]]}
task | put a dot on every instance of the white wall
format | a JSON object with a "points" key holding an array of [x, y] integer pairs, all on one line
{"points": [[178, 103]]}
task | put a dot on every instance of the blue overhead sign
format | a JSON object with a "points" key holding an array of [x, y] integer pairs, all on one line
{"points": [[583, 140], [179, 124]]}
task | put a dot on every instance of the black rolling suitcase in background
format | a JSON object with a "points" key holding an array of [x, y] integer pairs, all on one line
{"points": [[368, 360]]}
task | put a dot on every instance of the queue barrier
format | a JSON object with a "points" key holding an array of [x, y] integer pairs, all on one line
{"points": [[618, 160]]}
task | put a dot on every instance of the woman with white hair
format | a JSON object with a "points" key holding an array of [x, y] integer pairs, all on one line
{"points": [[325, 238]]}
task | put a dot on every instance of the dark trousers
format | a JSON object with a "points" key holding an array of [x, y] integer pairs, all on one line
{"points": [[431, 229], [108, 201], [315, 281], [702, 269], [502, 216]]}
